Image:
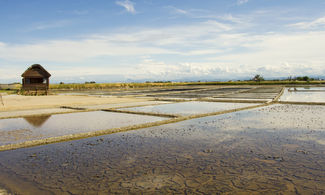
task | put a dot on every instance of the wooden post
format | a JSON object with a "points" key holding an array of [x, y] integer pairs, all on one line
{"points": [[47, 85]]}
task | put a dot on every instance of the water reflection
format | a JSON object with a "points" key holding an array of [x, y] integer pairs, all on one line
{"points": [[65, 124], [312, 94], [308, 89], [257, 151], [190, 108], [37, 121]]}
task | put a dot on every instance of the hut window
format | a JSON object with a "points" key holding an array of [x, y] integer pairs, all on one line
{"points": [[27, 81], [36, 80]]}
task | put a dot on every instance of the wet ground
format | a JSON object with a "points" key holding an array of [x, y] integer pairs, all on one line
{"points": [[306, 94], [272, 149], [22, 113], [189, 108], [248, 92], [18, 130], [124, 92], [266, 150]]}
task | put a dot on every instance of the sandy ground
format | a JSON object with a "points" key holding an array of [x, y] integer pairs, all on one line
{"points": [[3, 192], [18, 102]]}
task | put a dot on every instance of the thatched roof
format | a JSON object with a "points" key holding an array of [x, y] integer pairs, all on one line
{"points": [[36, 70]]}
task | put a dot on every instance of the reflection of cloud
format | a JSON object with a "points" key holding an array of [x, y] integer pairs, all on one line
{"points": [[303, 96], [37, 121], [318, 140]]}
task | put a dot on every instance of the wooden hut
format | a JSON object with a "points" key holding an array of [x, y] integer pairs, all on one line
{"points": [[36, 79]]}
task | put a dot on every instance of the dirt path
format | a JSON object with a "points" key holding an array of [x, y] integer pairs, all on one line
{"points": [[18, 102]]}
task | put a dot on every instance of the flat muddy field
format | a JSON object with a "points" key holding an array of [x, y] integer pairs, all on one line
{"points": [[207, 147]]}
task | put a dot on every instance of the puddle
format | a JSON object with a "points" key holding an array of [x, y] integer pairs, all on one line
{"points": [[307, 88], [240, 99], [116, 92], [312, 94], [189, 108], [18, 130], [250, 95], [128, 104], [266, 90], [200, 94], [271, 150]]}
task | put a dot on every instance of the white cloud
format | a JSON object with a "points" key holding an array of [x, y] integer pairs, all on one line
{"points": [[204, 49], [319, 22], [206, 14], [168, 40], [72, 51], [159, 70], [280, 54], [241, 2], [177, 10], [231, 18], [49, 25], [128, 5]]}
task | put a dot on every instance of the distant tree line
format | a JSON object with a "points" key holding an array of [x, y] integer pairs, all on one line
{"points": [[259, 78], [158, 81], [301, 78]]}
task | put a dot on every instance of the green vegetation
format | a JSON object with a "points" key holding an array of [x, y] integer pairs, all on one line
{"points": [[90, 82], [10, 88], [9, 91], [266, 82], [258, 78], [304, 78], [79, 86], [88, 86]]}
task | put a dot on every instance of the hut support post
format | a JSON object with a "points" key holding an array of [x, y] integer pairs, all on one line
{"points": [[48, 85]]}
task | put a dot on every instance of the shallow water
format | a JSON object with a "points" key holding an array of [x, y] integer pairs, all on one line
{"points": [[307, 88], [125, 91], [240, 99], [250, 95], [266, 90], [302, 94], [199, 94], [18, 130], [119, 105], [269, 150], [189, 108]]}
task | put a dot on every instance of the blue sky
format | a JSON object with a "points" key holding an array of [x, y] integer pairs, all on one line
{"points": [[123, 40]]}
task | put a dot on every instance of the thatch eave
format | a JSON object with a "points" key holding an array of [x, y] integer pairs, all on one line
{"points": [[36, 71]]}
